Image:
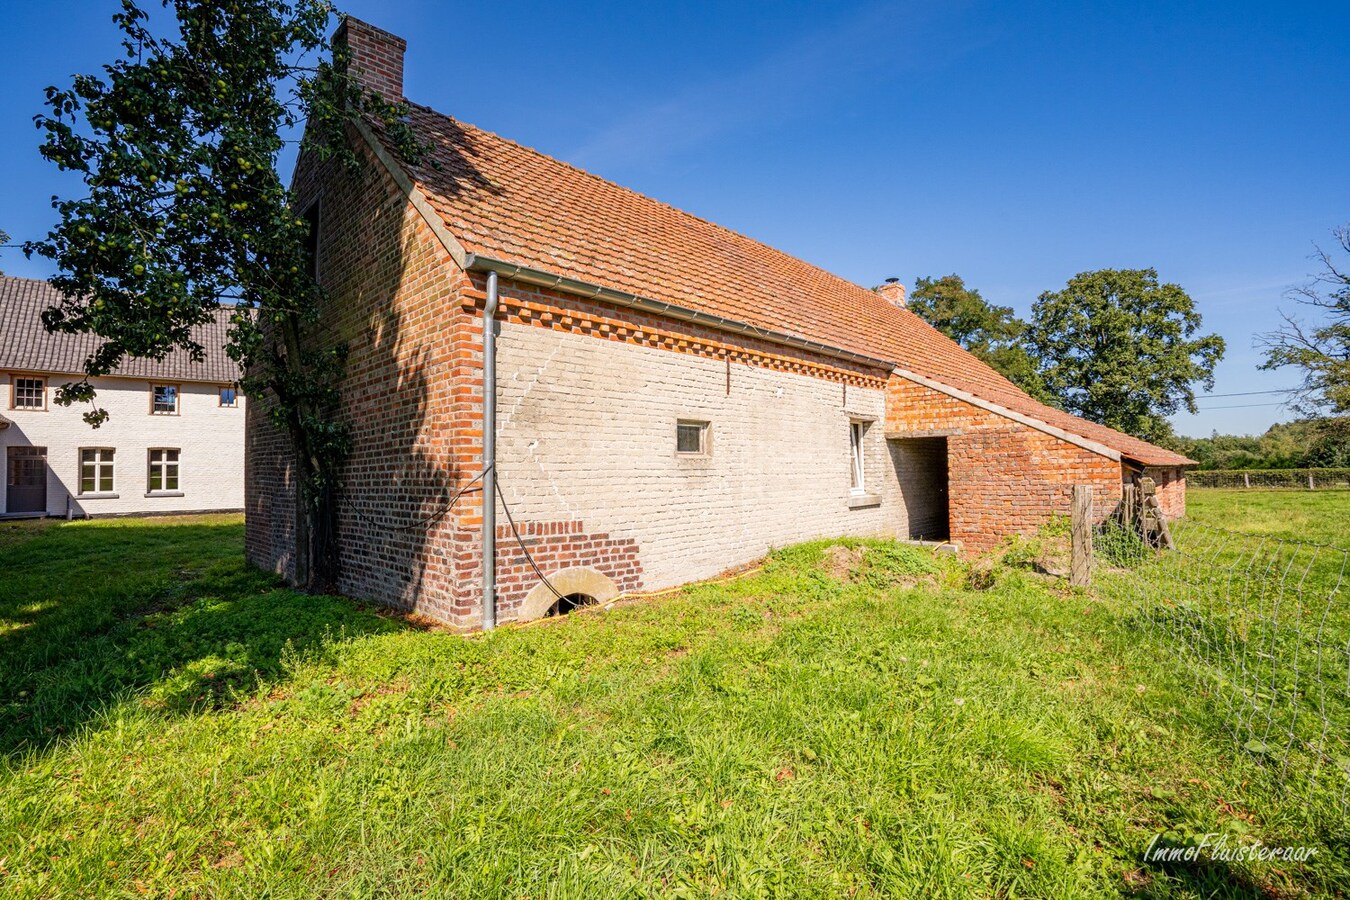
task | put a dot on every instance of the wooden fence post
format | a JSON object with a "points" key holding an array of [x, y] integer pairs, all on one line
{"points": [[1246, 479], [1080, 571], [1310, 482]]}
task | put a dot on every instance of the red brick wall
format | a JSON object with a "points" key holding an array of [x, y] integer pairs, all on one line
{"points": [[394, 301], [1003, 477], [1171, 481], [555, 546]]}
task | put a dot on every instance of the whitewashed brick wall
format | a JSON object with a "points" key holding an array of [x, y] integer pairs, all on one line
{"points": [[587, 432], [210, 438]]}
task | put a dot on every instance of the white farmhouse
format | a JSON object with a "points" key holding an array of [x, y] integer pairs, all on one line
{"points": [[173, 442]]}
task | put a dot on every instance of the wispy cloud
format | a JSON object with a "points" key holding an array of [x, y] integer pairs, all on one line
{"points": [[778, 87]]}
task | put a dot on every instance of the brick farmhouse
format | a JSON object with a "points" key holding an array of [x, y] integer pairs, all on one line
{"points": [[671, 398]]}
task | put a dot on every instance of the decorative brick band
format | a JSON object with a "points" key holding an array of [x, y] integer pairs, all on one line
{"points": [[542, 308]]}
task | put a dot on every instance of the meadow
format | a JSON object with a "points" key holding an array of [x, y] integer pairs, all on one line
{"points": [[173, 723]]}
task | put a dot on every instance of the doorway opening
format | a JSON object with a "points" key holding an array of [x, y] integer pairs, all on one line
{"points": [[26, 480], [921, 464]]}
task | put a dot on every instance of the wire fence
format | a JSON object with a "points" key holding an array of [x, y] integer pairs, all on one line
{"points": [[1264, 628], [1292, 479]]}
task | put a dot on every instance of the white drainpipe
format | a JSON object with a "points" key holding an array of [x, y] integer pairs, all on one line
{"points": [[490, 456]]}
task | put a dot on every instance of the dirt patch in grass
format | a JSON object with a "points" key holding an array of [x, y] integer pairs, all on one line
{"points": [[840, 562]]}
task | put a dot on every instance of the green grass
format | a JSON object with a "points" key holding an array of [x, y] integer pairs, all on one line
{"points": [[174, 724], [1320, 517]]}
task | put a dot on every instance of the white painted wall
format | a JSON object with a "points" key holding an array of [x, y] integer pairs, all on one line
{"points": [[210, 438], [587, 431]]}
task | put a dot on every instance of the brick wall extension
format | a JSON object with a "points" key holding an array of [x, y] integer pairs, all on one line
{"points": [[1004, 477], [1171, 483]]}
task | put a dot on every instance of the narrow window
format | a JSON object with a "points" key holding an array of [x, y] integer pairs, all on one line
{"points": [[163, 470], [229, 396], [164, 400], [96, 470], [312, 240], [856, 430], [691, 438], [30, 393]]}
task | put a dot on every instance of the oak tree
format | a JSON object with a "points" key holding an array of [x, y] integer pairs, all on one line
{"points": [[993, 333], [1118, 348]]}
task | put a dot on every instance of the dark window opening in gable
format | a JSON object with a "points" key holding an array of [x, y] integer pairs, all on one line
{"points": [[312, 240]]}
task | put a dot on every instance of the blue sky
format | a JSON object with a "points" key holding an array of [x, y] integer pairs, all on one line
{"points": [[1013, 143]]}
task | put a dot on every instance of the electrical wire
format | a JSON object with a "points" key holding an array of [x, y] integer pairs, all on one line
{"points": [[428, 520], [1244, 406], [523, 549], [1251, 393]]}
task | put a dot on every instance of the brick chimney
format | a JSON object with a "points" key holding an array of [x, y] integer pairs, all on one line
{"points": [[893, 291], [376, 57]]}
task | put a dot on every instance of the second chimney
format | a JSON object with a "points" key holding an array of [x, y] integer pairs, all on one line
{"points": [[376, 57], [893, 291]]}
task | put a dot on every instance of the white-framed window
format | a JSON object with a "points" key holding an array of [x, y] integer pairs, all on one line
{"points": [[164, 400], [229, 396], [29, 392], [691, 438], [163, 470], [96, 470], [857, 456]]}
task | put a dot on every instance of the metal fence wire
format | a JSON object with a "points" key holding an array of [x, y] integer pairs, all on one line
{"points": [[1264, 479], [1263, 626]]}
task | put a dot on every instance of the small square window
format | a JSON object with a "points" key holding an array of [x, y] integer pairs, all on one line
{"points": [[691, 438], [164, 401], [163, 470], [229, 396], [96, 470], [30, 393]]}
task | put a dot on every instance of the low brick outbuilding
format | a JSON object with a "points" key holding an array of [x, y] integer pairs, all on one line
{"points": [[672, 398]]}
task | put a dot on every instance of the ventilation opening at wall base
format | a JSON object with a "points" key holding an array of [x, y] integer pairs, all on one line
{"points": [[570, 602]]}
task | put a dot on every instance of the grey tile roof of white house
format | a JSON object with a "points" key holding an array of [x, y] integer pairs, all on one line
{"points": [[26, 346]]}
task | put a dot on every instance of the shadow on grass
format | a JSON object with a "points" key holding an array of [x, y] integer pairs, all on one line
{"points": [[1204, 878], [166, 611]]}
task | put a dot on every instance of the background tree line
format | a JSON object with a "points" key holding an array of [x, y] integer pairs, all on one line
{"points": [[1114, 346], [1117, 347], [1301, 444]]}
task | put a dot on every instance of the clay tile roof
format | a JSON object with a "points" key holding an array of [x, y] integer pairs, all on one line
{"points": [[28, 347], [514, 204]]}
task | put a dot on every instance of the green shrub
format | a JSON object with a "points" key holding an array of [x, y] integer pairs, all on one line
{"points": [[1118, 546]]}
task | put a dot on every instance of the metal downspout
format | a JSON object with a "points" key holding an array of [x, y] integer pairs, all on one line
{"points": [[490, 456]]}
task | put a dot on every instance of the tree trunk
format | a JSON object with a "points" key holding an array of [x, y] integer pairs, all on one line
{"points": [[316, 548]]}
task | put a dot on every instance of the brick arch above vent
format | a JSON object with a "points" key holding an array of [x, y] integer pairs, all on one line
{"points": [[576, 580]]}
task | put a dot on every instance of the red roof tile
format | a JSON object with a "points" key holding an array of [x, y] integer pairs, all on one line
{"points": [[508, 202]]}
